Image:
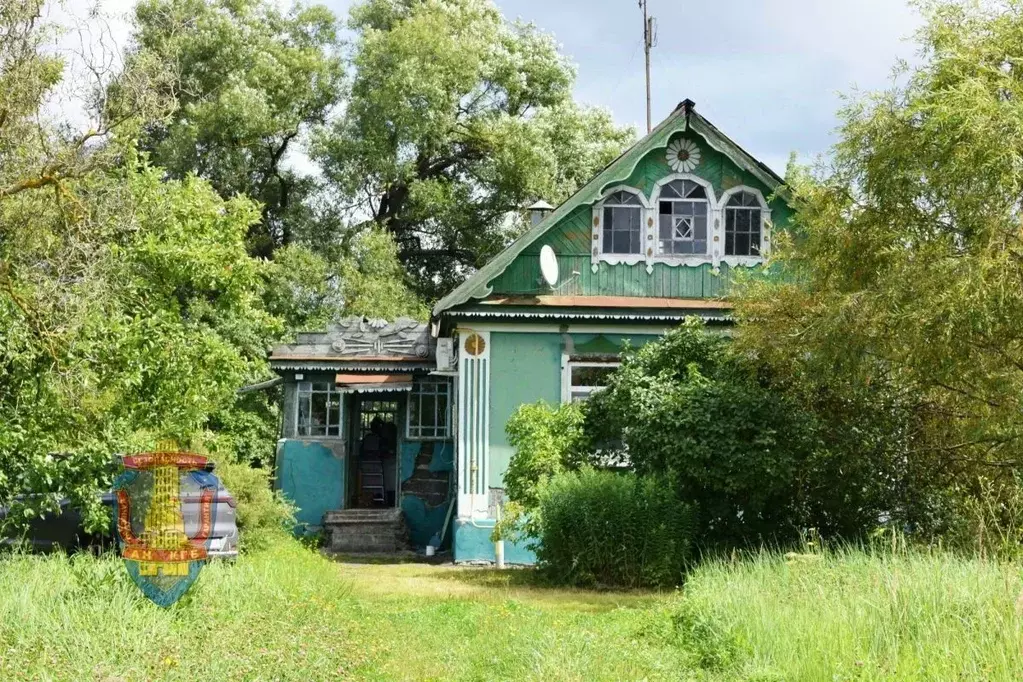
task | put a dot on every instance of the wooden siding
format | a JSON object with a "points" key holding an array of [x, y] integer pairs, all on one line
{"points": [[571, 239]]}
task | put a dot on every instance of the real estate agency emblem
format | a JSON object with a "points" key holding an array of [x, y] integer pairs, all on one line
{"points": [[161, 557]]}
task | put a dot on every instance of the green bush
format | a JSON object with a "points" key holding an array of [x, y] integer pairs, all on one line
{"points": [[262, 512], [548, 439], [600, 528]]}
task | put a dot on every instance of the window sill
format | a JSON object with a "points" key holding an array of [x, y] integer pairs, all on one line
{"points": [[675, 261]]}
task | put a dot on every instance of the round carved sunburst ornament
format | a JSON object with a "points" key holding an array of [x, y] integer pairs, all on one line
{"points": [[683, 156], [475, 345]]}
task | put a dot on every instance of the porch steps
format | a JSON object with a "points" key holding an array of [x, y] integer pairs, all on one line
{"points": [[366, 531]]}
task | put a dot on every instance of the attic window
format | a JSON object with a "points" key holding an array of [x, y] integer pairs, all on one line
{"points": [[682, 221], [623, 224], [743, 224]]}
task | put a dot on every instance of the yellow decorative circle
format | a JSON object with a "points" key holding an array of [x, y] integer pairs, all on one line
{"points": [[475, 345]]}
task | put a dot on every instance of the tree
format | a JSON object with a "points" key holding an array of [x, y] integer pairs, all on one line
{"points": [[249, 81], [129, 308], [456, 119], [906, 263]]}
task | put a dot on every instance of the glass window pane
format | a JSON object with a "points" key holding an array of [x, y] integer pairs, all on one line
{"points": [[318, 415], [303, 415], [665, 227], [742, 244], [729, 243], [700, 228]]}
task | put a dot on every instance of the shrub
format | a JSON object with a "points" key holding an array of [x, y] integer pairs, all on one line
{"points": [[600, 528], [262, 512], [688, 408], [548, 439]]}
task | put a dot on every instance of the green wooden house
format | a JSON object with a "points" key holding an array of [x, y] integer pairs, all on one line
{"points": [[652, 239]]}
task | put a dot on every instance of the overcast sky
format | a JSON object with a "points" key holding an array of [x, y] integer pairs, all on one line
{"points": [[767, 72]]}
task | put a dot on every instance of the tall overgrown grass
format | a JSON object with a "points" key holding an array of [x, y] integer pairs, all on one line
{"points": [[268, 616], [854, 615], [284, 612]]}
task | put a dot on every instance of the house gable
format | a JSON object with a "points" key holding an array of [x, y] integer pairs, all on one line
{"points": [[573, 231]]}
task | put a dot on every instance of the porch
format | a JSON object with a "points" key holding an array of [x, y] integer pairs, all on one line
{"points": [[366, 452]]}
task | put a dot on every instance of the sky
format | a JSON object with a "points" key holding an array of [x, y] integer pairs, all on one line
{"points": [[768, 73]]}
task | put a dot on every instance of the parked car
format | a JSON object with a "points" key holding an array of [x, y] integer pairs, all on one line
{"points": [[65, 531]]}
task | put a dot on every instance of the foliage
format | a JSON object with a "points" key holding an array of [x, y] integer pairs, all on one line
{"points": [[548, 440], [286, 613], [612, 529], [130, 309], [987, 520], [455, 120], [865, 615], [262, 512], [372, 280], [906, 264], [249, 80], [686, 408]]}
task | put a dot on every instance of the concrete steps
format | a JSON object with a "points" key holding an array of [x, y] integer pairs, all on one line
{"points": [[366, 531]]}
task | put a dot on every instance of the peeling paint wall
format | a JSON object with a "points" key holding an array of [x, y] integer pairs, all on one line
{"points": [[426, 475], [312, 475]]}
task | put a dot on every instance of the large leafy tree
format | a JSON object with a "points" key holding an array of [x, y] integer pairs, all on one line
{"points": [[129, 308], [906, 268], [455, 120], [249, 81]]}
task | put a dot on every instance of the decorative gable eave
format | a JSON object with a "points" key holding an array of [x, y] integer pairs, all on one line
{"points": [[682, 119]]}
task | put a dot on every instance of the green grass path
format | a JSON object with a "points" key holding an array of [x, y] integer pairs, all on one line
{"points": [[287, 613]]}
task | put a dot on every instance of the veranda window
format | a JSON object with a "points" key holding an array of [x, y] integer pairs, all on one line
{"points": [[743, 222], [682, 219], [586, 378], [623, 224], [429, 410], [319, 410]]}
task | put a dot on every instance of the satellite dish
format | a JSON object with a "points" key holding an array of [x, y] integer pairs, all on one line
{"points": [[549, 265]]}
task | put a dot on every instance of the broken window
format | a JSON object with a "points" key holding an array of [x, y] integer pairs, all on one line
{"points": [[682, 220]]}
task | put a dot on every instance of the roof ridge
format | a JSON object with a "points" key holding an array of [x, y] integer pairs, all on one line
{"points": [[477, 285]]}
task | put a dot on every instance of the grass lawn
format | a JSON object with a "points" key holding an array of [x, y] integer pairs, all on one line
{"points": [[288, 613]]}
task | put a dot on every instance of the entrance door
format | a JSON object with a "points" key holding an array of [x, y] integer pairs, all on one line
{"points": [[374, 448]]}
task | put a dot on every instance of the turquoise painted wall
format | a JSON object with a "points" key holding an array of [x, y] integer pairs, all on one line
{"points": [[472, 543], [312, 475], [422, 519], [525, 368]]}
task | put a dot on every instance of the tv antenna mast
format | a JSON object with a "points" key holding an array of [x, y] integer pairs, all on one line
{"points": [[649, 41]]}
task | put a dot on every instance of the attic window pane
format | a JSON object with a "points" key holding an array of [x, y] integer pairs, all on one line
{"points": [[743, 224], [682, 224], [622, 229], [623, 199]]}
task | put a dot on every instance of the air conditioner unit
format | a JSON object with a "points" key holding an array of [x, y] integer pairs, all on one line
{"points": [[445, 355]]}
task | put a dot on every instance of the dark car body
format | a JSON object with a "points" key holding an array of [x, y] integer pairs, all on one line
{"points": [[64, 531]]}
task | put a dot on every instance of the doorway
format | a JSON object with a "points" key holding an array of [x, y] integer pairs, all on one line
{"points": [[373, 467]]}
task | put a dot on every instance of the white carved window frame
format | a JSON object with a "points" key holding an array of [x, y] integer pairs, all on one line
{"points": [[765, 228], [650, 211], [597, 252], [714, 225]]}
